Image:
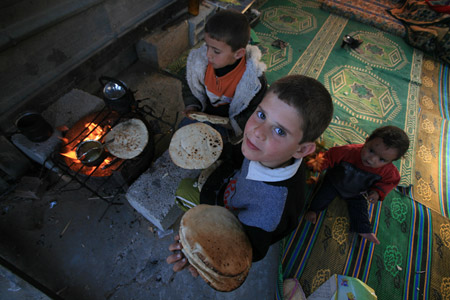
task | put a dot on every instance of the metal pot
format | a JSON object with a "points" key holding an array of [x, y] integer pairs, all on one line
{"points": [[91, 153], [34, 126], [117, 95]]}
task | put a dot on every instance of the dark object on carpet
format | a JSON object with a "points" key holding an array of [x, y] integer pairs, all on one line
{"points": [[279, 44], [351, 42]]}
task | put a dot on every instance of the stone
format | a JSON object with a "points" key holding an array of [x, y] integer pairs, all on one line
{"points": [[161, 47], [71, 107], [153, 193]]}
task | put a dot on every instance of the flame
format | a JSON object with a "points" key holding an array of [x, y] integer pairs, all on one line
{"points": [[71, 154], [88, 129], [93, 131]]}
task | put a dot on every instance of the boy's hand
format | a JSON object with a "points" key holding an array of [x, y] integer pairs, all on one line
{"points": [[373, 197], [177, 258], [189, 109]]}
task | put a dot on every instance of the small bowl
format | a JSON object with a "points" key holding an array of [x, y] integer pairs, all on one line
{"points": [[90, 152]]}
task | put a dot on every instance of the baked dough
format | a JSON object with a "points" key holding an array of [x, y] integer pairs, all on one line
{"points": [[216, 245], [195, 146], [128, 139]]}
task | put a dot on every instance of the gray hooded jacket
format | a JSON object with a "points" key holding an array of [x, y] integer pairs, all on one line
{"points": [[246, 90]]}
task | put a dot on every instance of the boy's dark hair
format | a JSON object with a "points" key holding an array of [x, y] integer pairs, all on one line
{"points": [[311, 99], [393, 137], [230, 27]]}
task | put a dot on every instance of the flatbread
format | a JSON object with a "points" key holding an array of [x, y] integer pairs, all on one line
{"points": [[195, 146], [203, 117], [216, 245], [128, 139]]}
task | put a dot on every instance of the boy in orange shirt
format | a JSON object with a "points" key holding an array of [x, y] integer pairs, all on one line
{"points": [[225, 76]]}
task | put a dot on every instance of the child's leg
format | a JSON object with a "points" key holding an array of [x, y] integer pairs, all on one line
{"points": [[359, 218], [322, 198], [187, 194]]}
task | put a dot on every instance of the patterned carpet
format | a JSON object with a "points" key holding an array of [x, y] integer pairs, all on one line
{"points": [[385, 82]]}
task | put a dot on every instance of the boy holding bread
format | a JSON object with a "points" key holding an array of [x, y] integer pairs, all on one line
{"points": [[264, 188], [225, 77]]}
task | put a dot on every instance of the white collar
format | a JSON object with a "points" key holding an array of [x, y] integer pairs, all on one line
{"points": [[258, 172]]}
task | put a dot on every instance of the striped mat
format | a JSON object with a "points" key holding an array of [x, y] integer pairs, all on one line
{"points": [[412, 261]]}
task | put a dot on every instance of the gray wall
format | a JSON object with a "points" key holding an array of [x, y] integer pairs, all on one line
{"points": [[48, 47]]}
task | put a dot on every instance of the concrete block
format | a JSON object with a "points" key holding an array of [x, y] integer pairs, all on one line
{"points": [[197, 23], [153, 193], [161, 47], [39, 152], [71, 107]]}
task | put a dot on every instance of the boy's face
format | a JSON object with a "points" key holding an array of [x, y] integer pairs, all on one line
{"points": [[220, 54], [272, 134], [376, 154]]}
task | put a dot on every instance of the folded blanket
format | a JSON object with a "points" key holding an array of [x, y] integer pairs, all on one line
{"points": [[426, 28]]}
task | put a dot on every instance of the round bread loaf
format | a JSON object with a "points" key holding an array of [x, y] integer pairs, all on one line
{"points": [[195, 146], [128, 139], [216, 245]]}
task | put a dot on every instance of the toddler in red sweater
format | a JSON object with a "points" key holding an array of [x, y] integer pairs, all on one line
{"points": [[360, 174]]}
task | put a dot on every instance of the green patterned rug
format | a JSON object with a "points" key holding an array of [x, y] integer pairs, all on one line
{"points": [[376, 86], [379, 84]]}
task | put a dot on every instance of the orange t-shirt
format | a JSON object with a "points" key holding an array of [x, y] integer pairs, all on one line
{"points": [[220, 90]]}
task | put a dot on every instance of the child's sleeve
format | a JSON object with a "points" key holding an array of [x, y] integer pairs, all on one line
{"points": [[332, 157], [260, 240], [390, 179], [188, 98]]}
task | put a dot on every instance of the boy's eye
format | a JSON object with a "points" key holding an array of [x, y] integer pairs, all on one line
{"points": [[279, 131], [261, 115]]}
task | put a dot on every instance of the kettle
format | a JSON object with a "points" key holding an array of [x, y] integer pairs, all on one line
{"points": [[117, 95]]}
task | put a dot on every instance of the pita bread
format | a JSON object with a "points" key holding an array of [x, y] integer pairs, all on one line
{"points": [[202, 117], [216, 245], [195, 146], [127, 139]]}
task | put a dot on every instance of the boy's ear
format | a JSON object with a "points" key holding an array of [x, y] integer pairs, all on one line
{"points": [[239, 53], [305, 149]]}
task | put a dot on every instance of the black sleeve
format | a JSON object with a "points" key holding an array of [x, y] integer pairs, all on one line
{"points": [[295, 205], [260, 240], [214, 187]]}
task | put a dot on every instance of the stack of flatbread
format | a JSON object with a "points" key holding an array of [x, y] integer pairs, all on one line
{"points": [[215, 244], [195, 146]]}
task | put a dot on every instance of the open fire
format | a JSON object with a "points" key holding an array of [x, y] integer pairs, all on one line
{"points": [[92, 127]]}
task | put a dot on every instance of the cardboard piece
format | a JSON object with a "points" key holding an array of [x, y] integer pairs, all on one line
{"points": [[341, 287]]}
